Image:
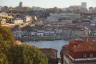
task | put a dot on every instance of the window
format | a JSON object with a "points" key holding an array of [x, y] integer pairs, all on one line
{"points": [[91, 55], [84, 55]]}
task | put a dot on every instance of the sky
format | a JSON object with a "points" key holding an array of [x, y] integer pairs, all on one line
{"points": [[47, 3]]}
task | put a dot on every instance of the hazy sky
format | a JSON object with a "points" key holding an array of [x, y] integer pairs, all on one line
{"points": [[47, 3]]}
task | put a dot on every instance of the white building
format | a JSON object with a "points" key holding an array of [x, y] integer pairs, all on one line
{"points": [[28, 18], [3, 21], [3, 14], [18, 21]]}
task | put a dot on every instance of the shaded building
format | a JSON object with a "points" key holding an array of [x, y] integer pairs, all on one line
{"points": [[51, 54]]}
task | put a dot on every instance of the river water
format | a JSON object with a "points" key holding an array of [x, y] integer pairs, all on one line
{"points": [[57, 44]]}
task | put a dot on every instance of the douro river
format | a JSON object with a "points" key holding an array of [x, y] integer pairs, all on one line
{"points": [[56, 44]]}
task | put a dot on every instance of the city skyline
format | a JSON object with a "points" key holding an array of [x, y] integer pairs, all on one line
{"points": [[47, 3]]}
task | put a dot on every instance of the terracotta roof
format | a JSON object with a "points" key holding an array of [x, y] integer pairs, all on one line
{"points": [[79, 47], [18, 42]]}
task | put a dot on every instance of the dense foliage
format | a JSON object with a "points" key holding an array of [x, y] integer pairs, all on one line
{"points": [[3, 59], [6, 35], [11, 53], [25, 54]]}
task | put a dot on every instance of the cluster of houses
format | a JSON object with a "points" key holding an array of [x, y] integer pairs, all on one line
{"points": [[67, 32], [54, 32], [62, 26], [8, 19]]}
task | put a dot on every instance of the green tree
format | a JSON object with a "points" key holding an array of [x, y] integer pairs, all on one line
{"points": [[6, 41], [25, 54], [18, 54], [6, 34], [3, 59]]}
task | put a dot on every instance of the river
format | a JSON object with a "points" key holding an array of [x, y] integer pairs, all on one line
{"points": [[56, 44]]}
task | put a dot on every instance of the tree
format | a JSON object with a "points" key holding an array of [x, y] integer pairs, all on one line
{"points": [[25, 54], [3, 59], [6, 41], [6, 34], [18, 54]]}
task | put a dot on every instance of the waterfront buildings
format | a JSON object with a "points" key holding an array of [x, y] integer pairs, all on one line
{"points": [[30, 33], [79, 52]]}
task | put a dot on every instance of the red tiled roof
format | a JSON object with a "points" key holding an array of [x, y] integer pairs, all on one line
{"points": [[18, 42], [78, 47]]}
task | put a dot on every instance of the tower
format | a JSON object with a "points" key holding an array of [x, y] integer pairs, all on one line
{"points": [[20, 4], [84, 5]]}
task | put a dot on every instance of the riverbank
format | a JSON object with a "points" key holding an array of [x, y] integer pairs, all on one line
{"points": [[40, 39]]}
